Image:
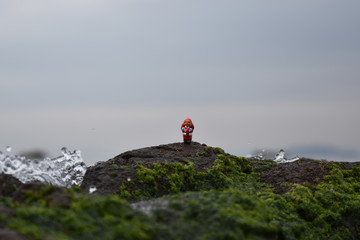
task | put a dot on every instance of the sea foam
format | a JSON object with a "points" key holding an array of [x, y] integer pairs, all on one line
{"points": [[63, 171]]}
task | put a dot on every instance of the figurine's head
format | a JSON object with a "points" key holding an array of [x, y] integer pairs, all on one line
{"points": [[188, 123]]}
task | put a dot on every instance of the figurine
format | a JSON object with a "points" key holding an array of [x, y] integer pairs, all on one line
{"points": [[187, 129]]}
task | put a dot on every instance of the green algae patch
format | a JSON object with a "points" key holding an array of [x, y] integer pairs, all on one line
{"points": [[217, 214], [226, 201], [85, 217], [170, 178]]}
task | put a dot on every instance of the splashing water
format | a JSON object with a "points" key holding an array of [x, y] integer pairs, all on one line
{"points": [[92, 189], [280, 157], [63, 171], [147, 206], [259, 156]]}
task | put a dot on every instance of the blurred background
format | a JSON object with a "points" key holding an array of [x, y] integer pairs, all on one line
{"points": [[110, 76]]}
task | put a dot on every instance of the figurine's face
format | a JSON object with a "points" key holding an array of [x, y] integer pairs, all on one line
{"points": [[187, 123]]}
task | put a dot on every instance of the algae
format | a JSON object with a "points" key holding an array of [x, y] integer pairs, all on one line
{"points": [[227, 201]]}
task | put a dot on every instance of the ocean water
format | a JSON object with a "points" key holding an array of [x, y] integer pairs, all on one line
{"points": [[64, 171], [279, 157]]}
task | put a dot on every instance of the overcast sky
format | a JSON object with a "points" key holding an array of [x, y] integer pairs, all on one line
{"points": [[107, 76]]}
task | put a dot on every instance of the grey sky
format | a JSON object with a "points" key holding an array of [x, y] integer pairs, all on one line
{"points": [[109, 76]]}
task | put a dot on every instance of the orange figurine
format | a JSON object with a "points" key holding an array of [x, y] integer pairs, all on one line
{"points": [[187, 129]]}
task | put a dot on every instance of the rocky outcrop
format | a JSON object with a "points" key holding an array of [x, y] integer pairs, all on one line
{"points": [[9, 185], [108, 176], [302, 171], [214, 185], [6, 234]]}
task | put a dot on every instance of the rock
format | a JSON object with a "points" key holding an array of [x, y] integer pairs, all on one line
{"points": [[21, 193], [8, 185], [301, 171], [108, 176], [304, 170], [6, 234]]}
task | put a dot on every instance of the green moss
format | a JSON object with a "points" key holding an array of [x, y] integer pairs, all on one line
{"points": [[170, 178], [207, 152], [202, 154], [225, 202], [76, 188], [39, 195], [228, 214], [87, 217], [264, 165], [218, 150], [2, 220], [115, 166], [127, 166], [327, 211]]}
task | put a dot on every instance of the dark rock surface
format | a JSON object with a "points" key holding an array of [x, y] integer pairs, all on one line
{"points": [[6, 234], [108, 176], [9, 185], [302, 171]]}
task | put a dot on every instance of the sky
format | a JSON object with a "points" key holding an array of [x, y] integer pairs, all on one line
{"points": [[106, 76]]}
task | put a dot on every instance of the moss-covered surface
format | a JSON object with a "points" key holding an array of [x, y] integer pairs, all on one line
{"points": [[170, 178], [227, 201], [84, 217]]}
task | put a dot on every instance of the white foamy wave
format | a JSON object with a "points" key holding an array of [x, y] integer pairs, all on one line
{"points": [[63, 171], [280, 157]]}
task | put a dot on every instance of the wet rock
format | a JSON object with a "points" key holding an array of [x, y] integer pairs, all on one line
{"points": [[108, 176], [6, 234], [21, 194], [8, 185], [302, 171]]}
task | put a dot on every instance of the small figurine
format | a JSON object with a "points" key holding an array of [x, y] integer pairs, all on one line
{"points": [[187, 129]]}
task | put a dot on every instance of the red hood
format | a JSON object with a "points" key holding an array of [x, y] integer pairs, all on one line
{"points": [[191, 123]]}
